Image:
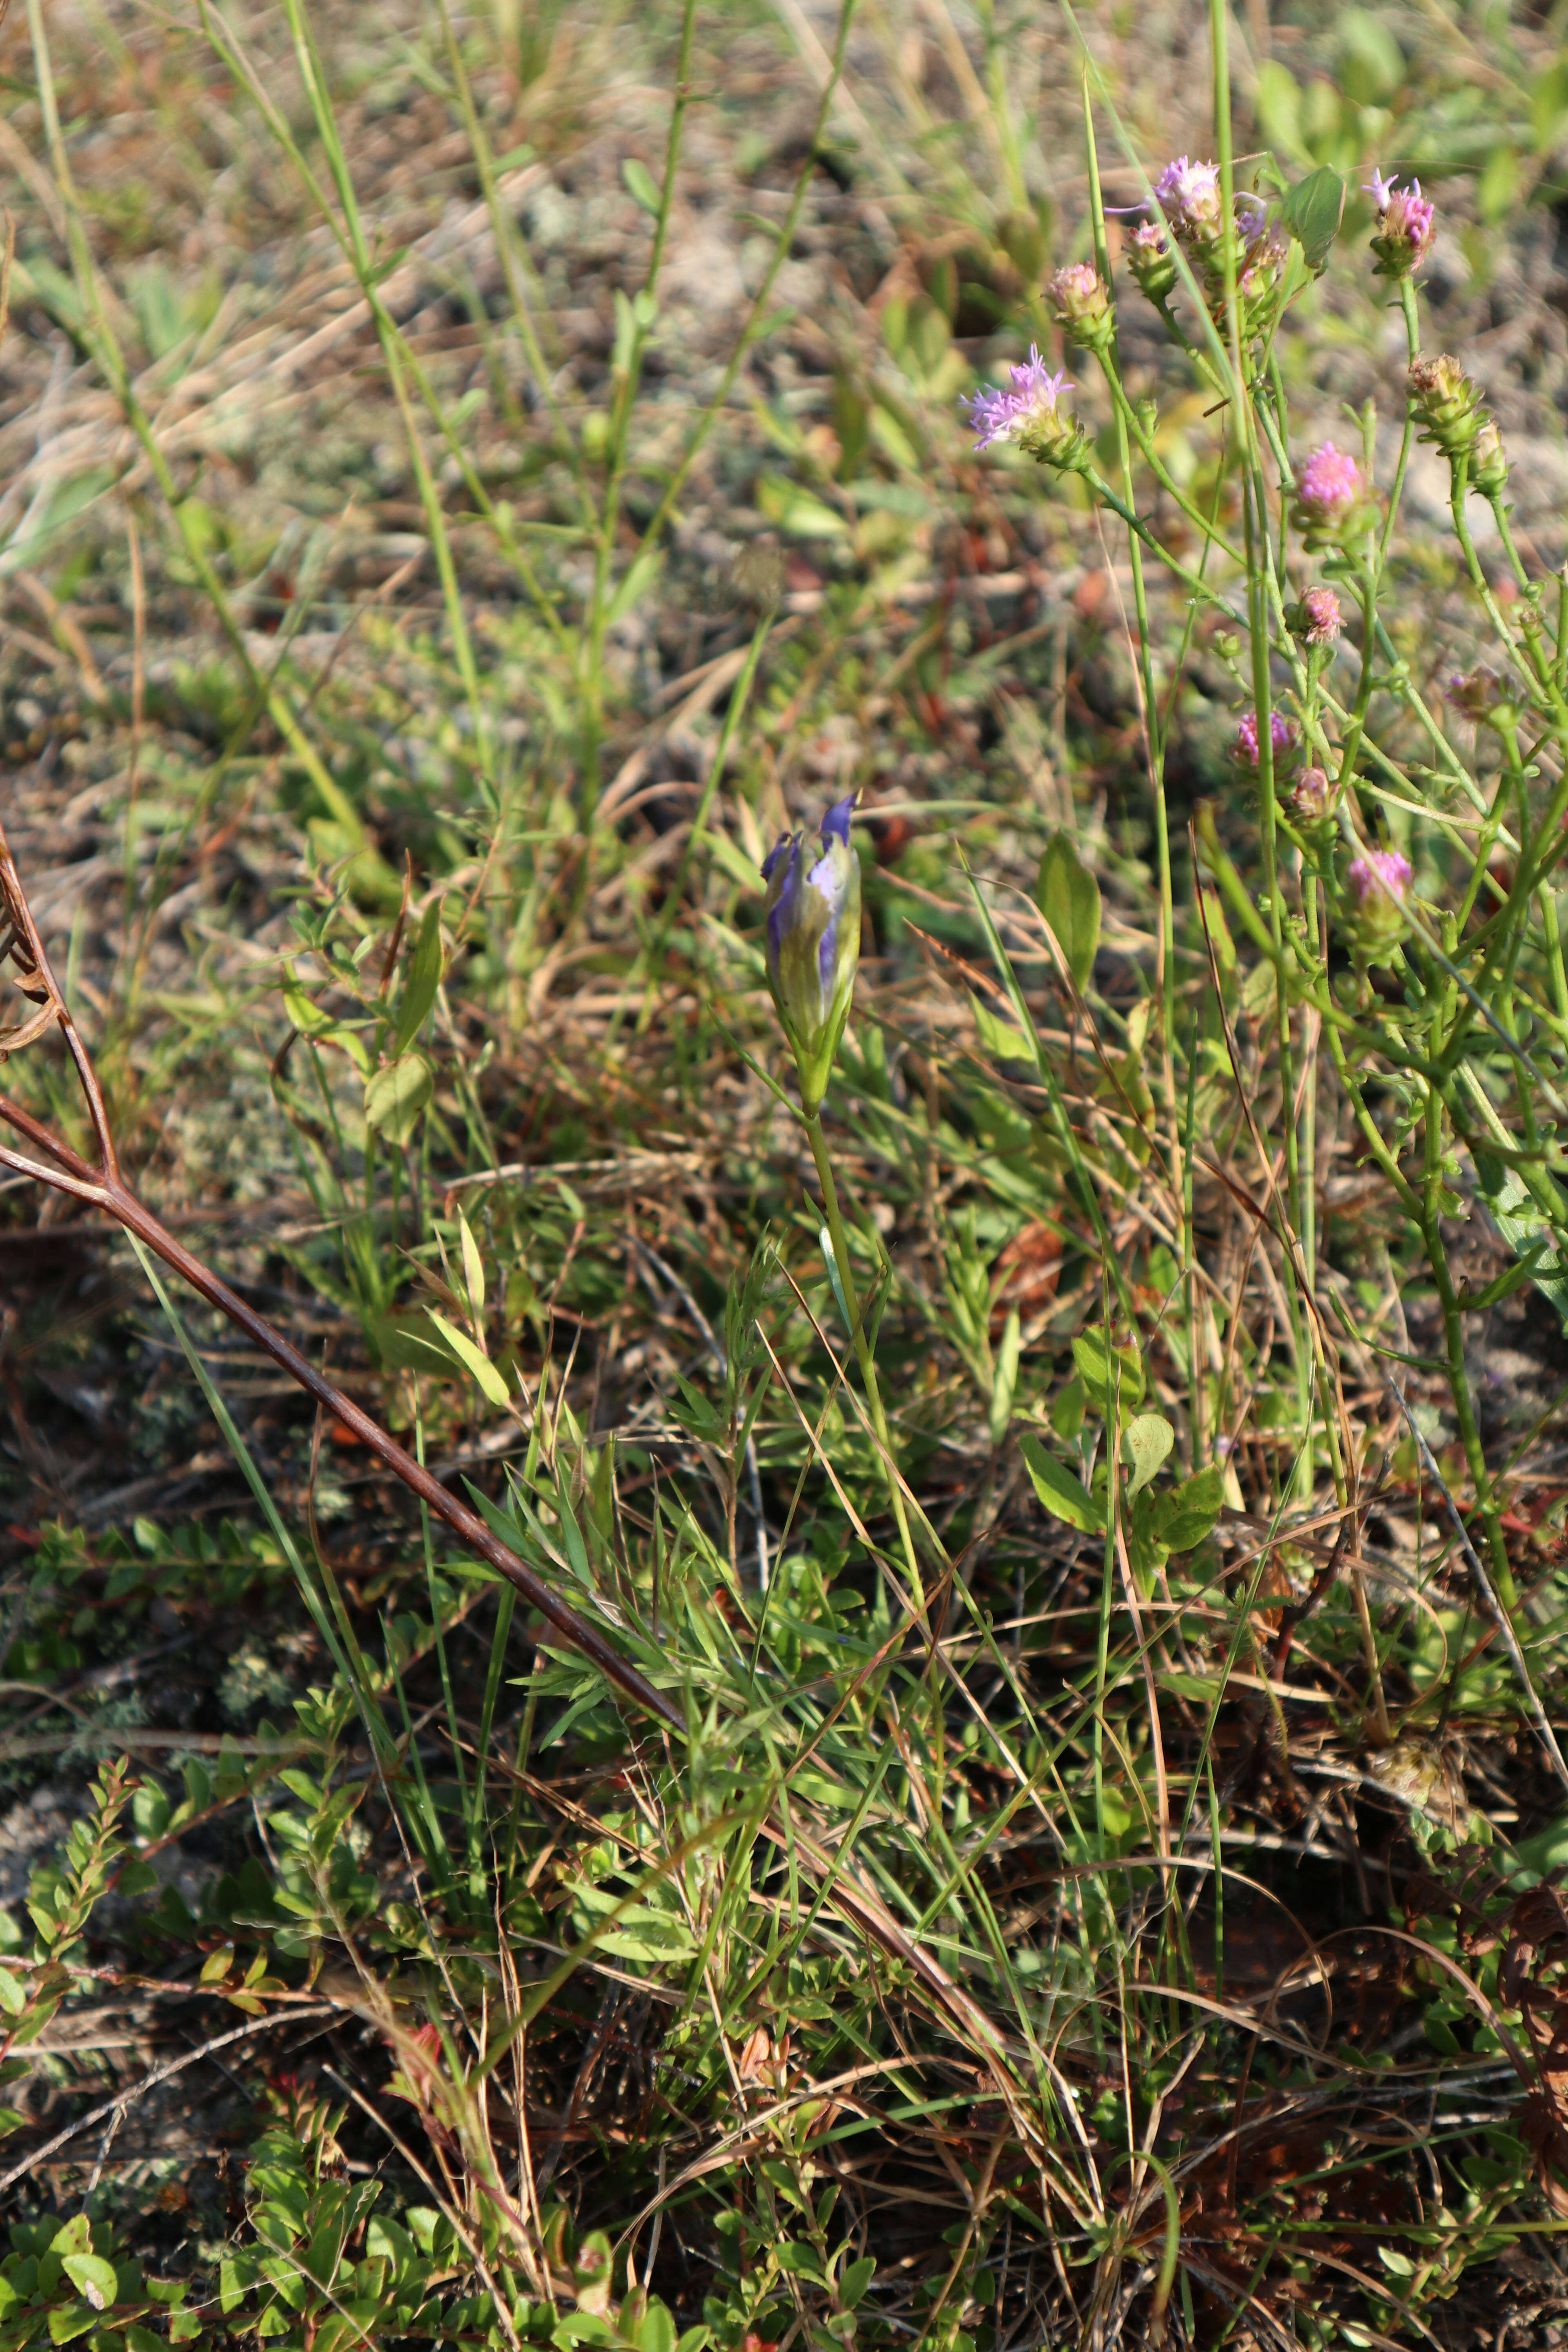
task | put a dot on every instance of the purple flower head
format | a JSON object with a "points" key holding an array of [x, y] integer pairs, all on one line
{"points": [[1190, 199], [1283, 735], [1001, 413], [1251, 212], [1379, 881], [814, 942]]}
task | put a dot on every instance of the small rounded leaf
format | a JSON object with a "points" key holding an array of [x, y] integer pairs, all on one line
{"points": [[1146, 1442]]}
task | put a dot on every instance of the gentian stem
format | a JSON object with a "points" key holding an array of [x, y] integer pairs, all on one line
{"points": [[862, 1346]]}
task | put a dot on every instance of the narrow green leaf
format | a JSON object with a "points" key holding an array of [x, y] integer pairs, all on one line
{"points": [[640, 184], [424, 979], [469, 1357], [1068, 897]]}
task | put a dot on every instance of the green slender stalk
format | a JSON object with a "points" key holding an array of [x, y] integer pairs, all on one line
{"points": [[863, 1351]]}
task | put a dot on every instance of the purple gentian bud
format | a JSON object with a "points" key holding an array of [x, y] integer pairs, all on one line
{"points": [[1379, 886], [814, 943], [1405, 222], [1331, 496]]}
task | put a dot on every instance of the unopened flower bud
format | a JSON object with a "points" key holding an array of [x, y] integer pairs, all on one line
{"points": [[1149, 259], [1378, 883], [1448, 405], [814, 944], [1026, 411], [1316, 619], [1331, 496], [1285, 739], [1083, 305], [1313, 795], [1258, 280], [1406, 219], [1489, 699], [1488, 461]]}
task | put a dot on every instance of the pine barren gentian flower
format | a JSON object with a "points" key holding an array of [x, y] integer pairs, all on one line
{"points": [[1331, 496], [1379, 886], [814, 944], [1405, 220]]}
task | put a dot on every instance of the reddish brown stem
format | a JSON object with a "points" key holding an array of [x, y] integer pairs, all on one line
{"points": [[106, 1187]]}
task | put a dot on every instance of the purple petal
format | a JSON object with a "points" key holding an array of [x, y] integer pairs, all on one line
{"points": [[772, 859], [836, 820], [786, 910]]}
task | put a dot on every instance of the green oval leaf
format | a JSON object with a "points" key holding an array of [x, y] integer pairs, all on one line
{"points": [[1146, 1442], [1065, 1497], [396, 1095]]}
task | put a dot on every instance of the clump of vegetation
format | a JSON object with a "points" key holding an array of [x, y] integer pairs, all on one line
{"points": [[817, 899]]}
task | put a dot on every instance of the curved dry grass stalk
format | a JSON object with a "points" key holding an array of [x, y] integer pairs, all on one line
{"points": [[106, 1189]]}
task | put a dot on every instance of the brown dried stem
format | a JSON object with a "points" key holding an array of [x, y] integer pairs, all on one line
{"points": [[106, 1189]]}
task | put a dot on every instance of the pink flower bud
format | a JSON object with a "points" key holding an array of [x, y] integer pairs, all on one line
{"points": [[1313, 795], [1331, 496], [1321, 617], [1407, 219], [1379, 884], [1283, 734]]}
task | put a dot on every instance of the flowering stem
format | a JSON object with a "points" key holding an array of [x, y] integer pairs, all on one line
{"points": [[1413, 344], [862, 1345]]}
